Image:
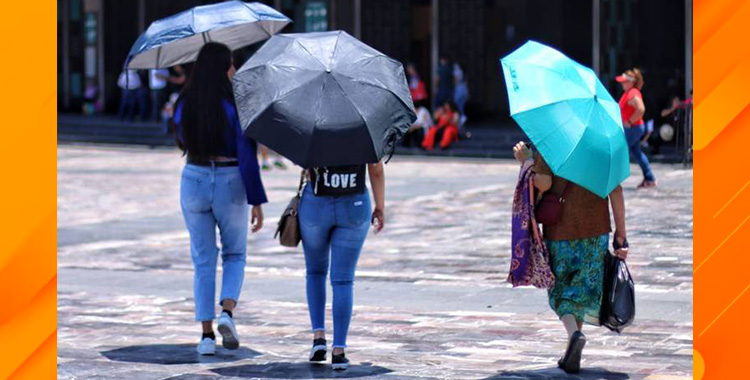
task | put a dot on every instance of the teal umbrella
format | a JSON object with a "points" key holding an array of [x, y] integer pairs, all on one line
{"points": [[569, 116]]}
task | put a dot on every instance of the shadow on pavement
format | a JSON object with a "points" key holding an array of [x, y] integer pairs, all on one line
{"points": [[555, 373], [176, 354], [299, 371]]}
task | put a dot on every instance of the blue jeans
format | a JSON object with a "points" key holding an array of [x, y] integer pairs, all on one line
{"points": [[128, 101], [333, 229], [212, 197], [460, 97], [633, 136]]}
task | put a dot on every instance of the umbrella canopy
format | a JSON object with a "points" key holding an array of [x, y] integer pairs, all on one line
{"points": [[178, 38], [571, 118], [323, 99]]}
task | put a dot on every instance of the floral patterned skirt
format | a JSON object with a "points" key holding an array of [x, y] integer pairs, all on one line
{"points": [[578, 266]]}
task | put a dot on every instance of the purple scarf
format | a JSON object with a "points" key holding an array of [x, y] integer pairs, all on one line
{"points": [[529, 264]]}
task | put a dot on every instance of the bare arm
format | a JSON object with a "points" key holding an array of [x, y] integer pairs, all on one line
{"points": [[377, 181], [617, 200], [640, 109], [521, 152], [543, 182]]}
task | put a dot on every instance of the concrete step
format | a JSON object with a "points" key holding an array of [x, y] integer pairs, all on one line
{"points": [[487, 141], [112, 139]]}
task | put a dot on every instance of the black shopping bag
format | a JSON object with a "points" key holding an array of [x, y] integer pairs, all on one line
{"points": [[618, 298]]}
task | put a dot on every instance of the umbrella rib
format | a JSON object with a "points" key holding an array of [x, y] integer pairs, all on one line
{"points": [[315, 124], [333, 52], [263, 26], [548, 105], [371, 85], [366, 58], [579, 139], [359, 113], [310, 53], [573, 150], [289, 66], [281, 96], [555, 130]]}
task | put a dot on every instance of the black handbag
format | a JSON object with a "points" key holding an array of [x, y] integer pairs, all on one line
{"points": [[288, 228], [618, 298]]}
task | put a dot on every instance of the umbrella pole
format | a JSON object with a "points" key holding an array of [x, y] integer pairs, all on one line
{"points": [[158, 56]]}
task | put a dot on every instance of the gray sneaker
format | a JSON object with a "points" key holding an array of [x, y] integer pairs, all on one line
{"points": [[228, 332], [207, 346]]}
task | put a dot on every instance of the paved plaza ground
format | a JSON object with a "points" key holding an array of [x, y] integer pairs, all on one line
{"points": [[431, 300]]}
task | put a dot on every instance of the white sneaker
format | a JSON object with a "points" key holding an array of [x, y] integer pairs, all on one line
{"points": [[228, 332], [207, 346]]}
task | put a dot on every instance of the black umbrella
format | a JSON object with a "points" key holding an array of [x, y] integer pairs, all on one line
{"points": [[323, 99]]}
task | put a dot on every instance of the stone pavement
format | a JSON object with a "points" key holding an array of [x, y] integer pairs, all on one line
{"points": [[431, 297]]}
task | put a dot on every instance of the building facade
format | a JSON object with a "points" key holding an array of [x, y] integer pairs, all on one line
{"points": [[94, 37]]}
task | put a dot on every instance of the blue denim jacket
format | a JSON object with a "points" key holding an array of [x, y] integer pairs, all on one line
{"points": [[240, 146]]}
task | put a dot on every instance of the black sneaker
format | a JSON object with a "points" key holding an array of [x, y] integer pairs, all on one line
{"points": [[339, 362], [318, 352], [571, 362]]}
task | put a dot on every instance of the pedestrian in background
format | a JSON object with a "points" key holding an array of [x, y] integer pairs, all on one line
{"points": [[178, 77], [143, 95], [277, 160], [335, 215], [632, 109], [417, 87], [175, 81], [461, 94], [444, 82], [416, 133], [219, 180], [157, 82], [91, 102], [129, 83], [445, 131], [577, 247]]}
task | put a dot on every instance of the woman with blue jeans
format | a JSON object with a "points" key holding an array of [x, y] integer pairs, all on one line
{"points": [[632, 110], [221, 177], [335, 215]]}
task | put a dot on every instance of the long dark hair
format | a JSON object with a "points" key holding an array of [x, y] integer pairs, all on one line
{"points": [[204, 121]]}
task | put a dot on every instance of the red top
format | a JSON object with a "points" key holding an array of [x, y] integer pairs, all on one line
{"points": [[446, 119], [626, 109]]}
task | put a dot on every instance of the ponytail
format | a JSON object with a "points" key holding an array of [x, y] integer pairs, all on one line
{"points": [[636, 72]]}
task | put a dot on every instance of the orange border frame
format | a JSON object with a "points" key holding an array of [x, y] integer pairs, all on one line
{"points": [[28, 263], [722, 194], [722, 190]]}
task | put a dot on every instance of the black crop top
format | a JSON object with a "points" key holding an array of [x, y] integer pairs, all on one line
{"points": [[338, 180]]}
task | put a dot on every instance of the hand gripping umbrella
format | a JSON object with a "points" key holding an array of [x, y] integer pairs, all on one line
{"points": [[568, 115], [323, 99], [178, 39]]}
